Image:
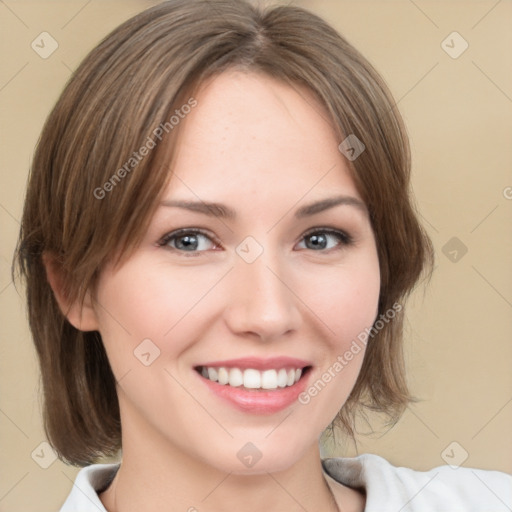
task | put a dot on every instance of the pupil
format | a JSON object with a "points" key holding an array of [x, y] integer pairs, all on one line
{"points": [[317, 241], [187, 242]]}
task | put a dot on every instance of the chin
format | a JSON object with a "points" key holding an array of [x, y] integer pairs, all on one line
{"points": [[243, 457]]}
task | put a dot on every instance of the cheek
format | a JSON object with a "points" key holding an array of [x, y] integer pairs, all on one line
{"points": [[359, 302], [345, 298], [145, 301]]}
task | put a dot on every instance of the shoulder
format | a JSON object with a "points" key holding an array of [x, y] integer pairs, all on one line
{"points": [[90, 481], [441, 489]]}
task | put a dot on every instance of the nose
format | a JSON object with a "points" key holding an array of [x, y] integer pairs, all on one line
{"points": [[263, 302]]}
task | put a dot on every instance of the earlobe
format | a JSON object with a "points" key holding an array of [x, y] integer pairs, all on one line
{"points": [[80, 315]]}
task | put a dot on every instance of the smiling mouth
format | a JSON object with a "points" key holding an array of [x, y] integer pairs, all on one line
{"points": [[251, 379]]}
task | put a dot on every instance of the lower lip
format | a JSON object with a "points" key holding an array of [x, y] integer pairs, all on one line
{"points": [[257, 401]]}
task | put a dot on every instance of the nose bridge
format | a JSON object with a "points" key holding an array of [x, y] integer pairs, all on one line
{"points": [[262, 301]]}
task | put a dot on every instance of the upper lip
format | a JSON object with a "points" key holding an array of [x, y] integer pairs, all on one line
{"points": [[257, 363]]}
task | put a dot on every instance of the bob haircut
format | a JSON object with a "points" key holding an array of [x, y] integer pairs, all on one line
{"points": [[91, 194]]}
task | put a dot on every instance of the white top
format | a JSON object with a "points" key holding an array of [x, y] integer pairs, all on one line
{"points": [[388, 488]]}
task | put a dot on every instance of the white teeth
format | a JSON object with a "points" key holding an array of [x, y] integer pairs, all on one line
{"points": [[282, 378], [253, 379], [212, 374], [223, 376], [236, 377], [269, 379]]}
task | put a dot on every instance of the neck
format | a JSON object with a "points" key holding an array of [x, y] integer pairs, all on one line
{"points": [[169, 480]]}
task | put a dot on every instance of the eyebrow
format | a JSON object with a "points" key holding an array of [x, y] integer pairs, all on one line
{"points": [[211, 209], [330, 202], [224, 212]]}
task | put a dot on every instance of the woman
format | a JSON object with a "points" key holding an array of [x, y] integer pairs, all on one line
{"points": [[218, 239]]}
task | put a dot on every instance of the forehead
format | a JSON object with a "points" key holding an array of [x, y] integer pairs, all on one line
{"points": [[258, 137]]}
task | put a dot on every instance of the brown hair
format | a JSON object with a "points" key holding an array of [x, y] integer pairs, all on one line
{"points": [[82, 208]]}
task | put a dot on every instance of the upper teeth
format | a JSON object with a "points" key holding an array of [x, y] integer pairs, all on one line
{"points": [[253, 379]]}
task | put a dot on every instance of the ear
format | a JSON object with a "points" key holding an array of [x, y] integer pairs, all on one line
{"points": [[80, 315]]}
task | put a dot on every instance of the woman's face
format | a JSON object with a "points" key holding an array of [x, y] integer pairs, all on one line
{"points": [[282, 274]]}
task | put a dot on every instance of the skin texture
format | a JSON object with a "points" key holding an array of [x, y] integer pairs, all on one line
{"points": [[264, 149]]}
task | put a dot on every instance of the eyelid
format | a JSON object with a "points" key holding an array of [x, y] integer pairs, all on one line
{"points": [[345, 237], [183, 231]]}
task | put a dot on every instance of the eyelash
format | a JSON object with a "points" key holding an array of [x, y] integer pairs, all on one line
{"points": [[343, 238], [182, 232]]}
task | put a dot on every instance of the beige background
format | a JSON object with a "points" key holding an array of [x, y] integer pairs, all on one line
{"points": [[459, 115]]}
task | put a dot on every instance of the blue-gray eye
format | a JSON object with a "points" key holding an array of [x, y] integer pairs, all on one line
{"points": [[188, 240], [321, 240]]}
